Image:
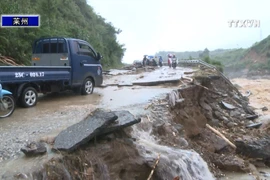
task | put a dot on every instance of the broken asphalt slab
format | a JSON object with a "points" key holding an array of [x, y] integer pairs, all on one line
{"points": [[82, 132], [125, 119], [155, 82], [100, 123]]}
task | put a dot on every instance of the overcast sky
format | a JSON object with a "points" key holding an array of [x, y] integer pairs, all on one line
{"points": [[149, 26]]}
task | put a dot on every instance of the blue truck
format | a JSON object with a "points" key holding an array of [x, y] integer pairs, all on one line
{"points": [[58, 64]]}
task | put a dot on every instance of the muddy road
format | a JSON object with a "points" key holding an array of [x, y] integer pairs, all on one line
{"points": [[54, 112]]}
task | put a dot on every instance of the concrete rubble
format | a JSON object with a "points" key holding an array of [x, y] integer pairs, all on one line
{"points": [[100, 122]]}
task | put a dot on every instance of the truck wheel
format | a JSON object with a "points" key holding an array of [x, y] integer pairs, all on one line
{"points": [[29, 97], [87, 87]]}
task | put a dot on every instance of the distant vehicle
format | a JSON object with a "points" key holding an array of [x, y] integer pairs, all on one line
{"points": [[151, 61], [137, 63], [58, 64]]}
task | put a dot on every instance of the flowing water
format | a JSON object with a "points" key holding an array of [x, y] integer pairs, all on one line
{"points": [[186, 164]]}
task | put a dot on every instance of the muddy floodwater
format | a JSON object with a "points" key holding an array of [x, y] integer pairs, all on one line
{"points": [[260, 92]]}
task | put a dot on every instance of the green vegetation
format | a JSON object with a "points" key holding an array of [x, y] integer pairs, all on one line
{"points": [[231, 57], [67, 18], [215, 63], [237, 59], [262, 47]]}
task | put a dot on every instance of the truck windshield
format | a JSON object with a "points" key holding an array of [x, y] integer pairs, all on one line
{"points": [[50, 46]]}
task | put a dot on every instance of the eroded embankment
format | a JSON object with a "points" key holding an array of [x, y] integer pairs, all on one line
{"points": [[173, 133], [215, 102]]}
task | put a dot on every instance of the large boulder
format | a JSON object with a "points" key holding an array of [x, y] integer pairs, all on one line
{"points": [[254, 148]]}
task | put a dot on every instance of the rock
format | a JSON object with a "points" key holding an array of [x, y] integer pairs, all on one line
{"points": [[231, 124], [235, 113], [225, 120], [229, 163], [80, 133], [182, 142], [214, 122], [125, 119], [252, 117], [249, 110], [227, 105], [205, 106], [217, 142], [218, 115], [254, 125], [21, 176], [254, 148], [264, 109], [34, 148]]}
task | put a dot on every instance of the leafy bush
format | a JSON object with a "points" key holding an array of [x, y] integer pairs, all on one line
{"points": [[216, 63]]}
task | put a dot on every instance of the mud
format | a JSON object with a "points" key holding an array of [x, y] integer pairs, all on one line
{"points": [[260, 92]]}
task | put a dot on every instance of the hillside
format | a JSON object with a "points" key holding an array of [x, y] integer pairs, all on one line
{"points": [[193, 54], [68, 18], [255, 60], [251, 61]]}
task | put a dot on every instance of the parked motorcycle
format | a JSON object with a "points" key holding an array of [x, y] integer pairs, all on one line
{"points": [[174, 63], [7, 103], [160, 64]]}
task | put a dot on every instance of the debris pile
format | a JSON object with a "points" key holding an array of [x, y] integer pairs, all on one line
{"points": [[219, 123], [9, 61]]}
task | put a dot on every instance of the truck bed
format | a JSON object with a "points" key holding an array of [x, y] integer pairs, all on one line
{"points": [[19, 74]]}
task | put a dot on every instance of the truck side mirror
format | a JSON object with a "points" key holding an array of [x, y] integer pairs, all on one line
{"points": [[99, 57]]}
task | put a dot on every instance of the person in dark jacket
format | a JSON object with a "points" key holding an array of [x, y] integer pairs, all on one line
{"points": [[144, 60]]}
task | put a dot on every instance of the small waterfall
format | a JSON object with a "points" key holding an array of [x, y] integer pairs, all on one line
{"points": [[186, 164]]}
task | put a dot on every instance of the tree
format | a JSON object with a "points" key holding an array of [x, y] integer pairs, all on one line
{"points": [[67, 18]]}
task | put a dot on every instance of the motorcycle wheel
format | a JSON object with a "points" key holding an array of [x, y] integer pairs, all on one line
{"points": [[8, 107]]}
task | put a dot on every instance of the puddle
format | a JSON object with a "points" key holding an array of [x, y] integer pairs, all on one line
{"points": [[114, 97]]}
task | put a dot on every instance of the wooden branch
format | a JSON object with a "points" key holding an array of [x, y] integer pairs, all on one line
{"points": [[208, 89], [9, 61], [151, 174], [221, 135]]}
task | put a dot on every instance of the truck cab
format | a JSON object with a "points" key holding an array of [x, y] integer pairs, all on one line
{"points": [[76, 53]]}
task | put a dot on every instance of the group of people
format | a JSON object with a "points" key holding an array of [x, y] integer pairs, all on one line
{"points": [[172, 61]]}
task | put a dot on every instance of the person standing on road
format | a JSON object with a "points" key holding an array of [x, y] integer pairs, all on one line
{"points": [[160, 61], [169, 60], [174, 61], [144, 60]]}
